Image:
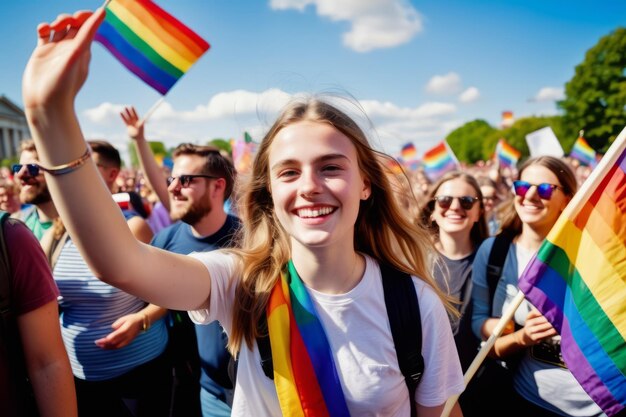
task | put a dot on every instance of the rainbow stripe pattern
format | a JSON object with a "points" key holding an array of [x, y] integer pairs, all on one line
{"points": [[439, 160], [583, 152], [306, 379], [150, 42], [506, 154], [408, 152], [577, 280]]}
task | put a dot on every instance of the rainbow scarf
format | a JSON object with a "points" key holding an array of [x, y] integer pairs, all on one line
{"points": [[305, 375]]}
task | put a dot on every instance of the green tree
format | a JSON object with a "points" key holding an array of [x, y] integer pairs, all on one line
{"points": [[516, 134], [158, 149], [222, 144], [467, 141], [595, 98]]}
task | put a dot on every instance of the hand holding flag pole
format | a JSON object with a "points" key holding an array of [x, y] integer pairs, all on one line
{"points": [[150, 43], [485, 349]]}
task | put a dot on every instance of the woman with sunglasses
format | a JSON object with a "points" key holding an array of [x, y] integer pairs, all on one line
{"points": [[454, 215], [319, 218], [542, 383]]}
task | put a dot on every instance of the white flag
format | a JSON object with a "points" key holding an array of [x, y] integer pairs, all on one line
{"points": [[544, 142]]}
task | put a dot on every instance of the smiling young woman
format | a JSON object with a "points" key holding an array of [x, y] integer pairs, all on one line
{"points": [[544, 386], [454, 215], [319, 219]]}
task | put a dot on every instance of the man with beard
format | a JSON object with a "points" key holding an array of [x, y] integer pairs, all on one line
{"points": [[201, 180], [33, 190]]}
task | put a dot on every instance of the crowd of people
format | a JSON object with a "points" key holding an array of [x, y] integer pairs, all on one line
{"points": [[198, 293]]}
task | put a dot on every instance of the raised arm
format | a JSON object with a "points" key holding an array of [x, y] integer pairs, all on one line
{"points": [[154, 175], [53, 76]]}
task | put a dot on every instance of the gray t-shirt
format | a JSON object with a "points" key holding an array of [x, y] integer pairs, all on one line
{"points": [[454, 277]]}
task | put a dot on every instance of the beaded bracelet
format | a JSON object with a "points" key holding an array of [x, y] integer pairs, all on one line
{"points": [[69, 167]]}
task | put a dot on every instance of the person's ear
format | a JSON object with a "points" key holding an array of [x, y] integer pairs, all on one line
{"points": [[366, 192]]}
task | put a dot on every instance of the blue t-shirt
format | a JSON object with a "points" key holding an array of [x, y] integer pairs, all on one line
{"points": [[214, 357]]}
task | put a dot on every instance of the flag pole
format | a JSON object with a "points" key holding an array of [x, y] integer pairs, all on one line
{"points": [[485, 349], [152, 110]]}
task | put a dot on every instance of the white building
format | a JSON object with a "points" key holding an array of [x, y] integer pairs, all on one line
{"points": [[13, 128]]}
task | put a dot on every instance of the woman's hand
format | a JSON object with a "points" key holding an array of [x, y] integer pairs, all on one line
{"points": [[126, 329], [58, 66], [536, 329], [134, 125]]}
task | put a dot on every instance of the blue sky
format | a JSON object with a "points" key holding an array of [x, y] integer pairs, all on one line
{"points": [[418, 69]]}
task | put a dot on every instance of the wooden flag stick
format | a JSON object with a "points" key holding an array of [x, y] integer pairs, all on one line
{"points": [[152, 110], [485, 349]]}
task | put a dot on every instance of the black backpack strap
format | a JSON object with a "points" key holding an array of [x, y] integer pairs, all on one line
{"points": [[495, 264], [406, 326], [265, 348]]}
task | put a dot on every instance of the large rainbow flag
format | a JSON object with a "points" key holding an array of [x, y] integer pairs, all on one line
{"points": [[583, 152], [578, 281], [507, 155], [439, 160], [150, 42]]}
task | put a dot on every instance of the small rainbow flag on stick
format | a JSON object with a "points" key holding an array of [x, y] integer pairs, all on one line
{"points": [[506, 154], [577, 280], [150, 42], [583, 152], [408, 152], [439, 160]]}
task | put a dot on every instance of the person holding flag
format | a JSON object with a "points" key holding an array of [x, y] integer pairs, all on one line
{"points": [[542, 382], [319, 222]]}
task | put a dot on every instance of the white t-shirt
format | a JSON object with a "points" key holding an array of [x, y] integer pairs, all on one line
{"points": [[358, 331]]}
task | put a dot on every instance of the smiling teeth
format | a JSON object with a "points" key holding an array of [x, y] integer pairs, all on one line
{"points": [[314, 212]]}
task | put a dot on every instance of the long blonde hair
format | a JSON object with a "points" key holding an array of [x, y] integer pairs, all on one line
{"points": [[382, 231]]}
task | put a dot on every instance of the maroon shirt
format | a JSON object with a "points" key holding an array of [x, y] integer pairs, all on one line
{"points": [[32, 286]]}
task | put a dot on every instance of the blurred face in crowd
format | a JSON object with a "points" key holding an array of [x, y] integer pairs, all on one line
{"points": [[8, 200], [33, 190], [192, 202], [490, 198]]}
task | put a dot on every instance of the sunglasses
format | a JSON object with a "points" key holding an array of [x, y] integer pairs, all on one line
{"points": [[544, 189], [466, 202], [32, 169], [185, 180]]}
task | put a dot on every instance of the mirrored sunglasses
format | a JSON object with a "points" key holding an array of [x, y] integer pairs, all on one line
{"points": [[466, 202], [185, 180], [32, 169], [544, 189]]}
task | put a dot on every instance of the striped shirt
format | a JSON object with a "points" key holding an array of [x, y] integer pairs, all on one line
{"points": [[89, 308]]}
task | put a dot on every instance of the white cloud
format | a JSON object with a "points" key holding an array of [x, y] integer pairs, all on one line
{"points": [[228, 114], [470, 95], [447, 84], [549, 94], [374, 24]]}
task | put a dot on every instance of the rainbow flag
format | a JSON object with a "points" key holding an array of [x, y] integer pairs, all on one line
{"points": [[439, 160], [577, 281], [583, 152], [408, 152], [306, 379], [149, 42], [506, 154]]}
